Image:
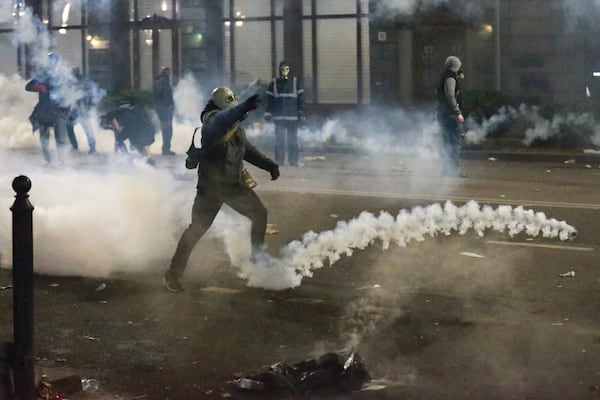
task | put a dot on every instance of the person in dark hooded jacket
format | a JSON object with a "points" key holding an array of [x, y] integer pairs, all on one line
{"points": [[49, 112], [220, 162]]}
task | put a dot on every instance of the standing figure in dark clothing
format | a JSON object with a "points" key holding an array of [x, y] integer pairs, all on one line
{"points": [[48, 112], [164, 106], [81, 112], [130, 121], [220, 163], [285, 106], [449, 114]]}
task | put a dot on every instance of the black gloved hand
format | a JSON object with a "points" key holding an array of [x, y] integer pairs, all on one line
{"points": [[250, 103], [274, 172]]}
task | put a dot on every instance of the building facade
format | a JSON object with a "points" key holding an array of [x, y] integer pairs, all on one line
{"points": [[346, 52]]}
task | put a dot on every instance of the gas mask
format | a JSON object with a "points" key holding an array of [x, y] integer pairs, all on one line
{"points": [[284, 71], [223, 97]]}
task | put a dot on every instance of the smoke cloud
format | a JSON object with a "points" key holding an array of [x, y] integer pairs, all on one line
{"points": [[583, 127], [104, 214]]}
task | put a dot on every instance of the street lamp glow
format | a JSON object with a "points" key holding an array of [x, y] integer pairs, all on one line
{"points": [[596, 73]]}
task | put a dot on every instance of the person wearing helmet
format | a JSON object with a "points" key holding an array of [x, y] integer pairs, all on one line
{"points": [[285, 106], [219, 162], [449, 114]]}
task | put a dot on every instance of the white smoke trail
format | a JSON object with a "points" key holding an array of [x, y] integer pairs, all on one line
{"points": [[477, 133], [299, 259], [545, 129], [188, 100], [30, 31], [583, 125]]}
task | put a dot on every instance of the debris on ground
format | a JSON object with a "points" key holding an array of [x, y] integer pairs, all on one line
{"points": [[330, 371], [5, 287], [271, 229], [570, 161], [100, 287], [569, 274], [474, 255], [402, 168], [58, 388]]}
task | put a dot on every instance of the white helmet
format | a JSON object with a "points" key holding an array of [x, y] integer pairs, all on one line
{"points": [[453, 63], [223, 97]]}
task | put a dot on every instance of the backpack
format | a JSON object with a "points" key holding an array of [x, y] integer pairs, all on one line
{"points": [[195, 155]]}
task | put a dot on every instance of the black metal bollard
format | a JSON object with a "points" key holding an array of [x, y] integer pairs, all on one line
{"points": [[23, 362]]}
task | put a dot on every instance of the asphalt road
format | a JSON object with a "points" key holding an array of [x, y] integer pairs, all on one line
{"points": [[452, 317]]}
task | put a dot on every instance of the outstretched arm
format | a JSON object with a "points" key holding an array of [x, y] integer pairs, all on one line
{"points": [[216, 127]]}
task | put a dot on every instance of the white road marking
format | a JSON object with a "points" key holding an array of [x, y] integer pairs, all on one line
{"points": [[430, 197], [545, 246]]}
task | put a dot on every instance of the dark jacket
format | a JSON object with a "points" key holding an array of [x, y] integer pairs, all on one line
{"points": [[135, 123], [163, 96], [448, 104], [285, 99], [47, 109], [225, 147]]}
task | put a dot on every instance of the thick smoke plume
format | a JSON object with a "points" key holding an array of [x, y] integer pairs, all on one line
{"points": [[299, 259], [582, 126]]}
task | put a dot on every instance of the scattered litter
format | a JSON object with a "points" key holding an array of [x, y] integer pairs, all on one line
{"points": [[569, 274], [330, 371], [402, 168], [570, 161], [372, 386], [5, 287], [503, 196], [588, 166], [475, 255], [548, 171], [375, 286], [536, 190], [557, 324], [271, 229], [100, 287], [54, 285], [92, 338], [90, 384], [314, 158], [492, 158], [226, 395], [56, 389], [250, 384], [334, 216]]}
